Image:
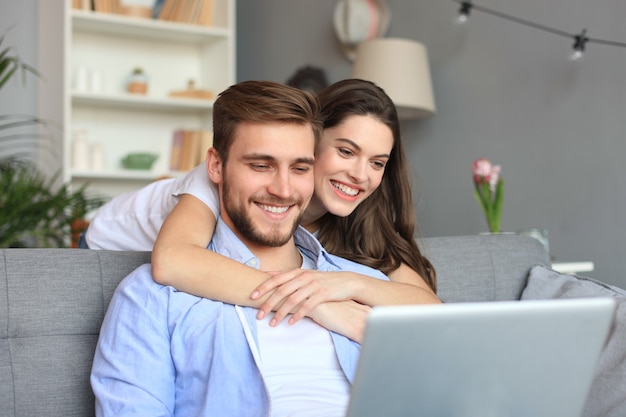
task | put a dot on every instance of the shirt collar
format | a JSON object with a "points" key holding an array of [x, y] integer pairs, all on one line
{"points": [[226, 242]]}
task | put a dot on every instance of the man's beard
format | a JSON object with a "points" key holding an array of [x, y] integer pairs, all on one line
{"points": [[244, 225]]}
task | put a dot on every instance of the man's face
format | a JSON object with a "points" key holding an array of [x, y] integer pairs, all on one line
{"points": [[267, 181]]}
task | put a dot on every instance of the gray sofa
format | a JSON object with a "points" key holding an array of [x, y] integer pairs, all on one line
{"points": [[52, 302]]}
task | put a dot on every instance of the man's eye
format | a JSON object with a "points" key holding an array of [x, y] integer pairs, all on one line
{"points": [[259, 167], [302, 170]]}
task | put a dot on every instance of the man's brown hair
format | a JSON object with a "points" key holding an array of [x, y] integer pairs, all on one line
{"points": [[261, 101]]}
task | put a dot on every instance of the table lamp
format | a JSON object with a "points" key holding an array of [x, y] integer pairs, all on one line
{"points": [[400, 67]]}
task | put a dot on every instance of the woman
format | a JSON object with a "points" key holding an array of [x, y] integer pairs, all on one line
{"points": [[362, 210]]}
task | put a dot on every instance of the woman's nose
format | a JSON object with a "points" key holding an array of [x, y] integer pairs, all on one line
{"points": [[358, 171]]}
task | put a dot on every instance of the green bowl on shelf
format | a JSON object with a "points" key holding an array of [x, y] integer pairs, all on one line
{"points": [[140, 160]]}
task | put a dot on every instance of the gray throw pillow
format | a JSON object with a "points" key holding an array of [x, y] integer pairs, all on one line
{"points": [[607, 396]]}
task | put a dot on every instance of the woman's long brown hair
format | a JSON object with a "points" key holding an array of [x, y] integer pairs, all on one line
{"points": [[381, 231]]}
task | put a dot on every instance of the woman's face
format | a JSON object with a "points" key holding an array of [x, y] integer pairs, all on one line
{"points": [[350, 162]]}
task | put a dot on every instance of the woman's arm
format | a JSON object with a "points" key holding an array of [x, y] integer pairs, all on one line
{"points": [[353, 318], [180, 258], [301, 290]]}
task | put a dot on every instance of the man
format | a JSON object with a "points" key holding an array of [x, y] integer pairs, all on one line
{"points": [[164, 352]]}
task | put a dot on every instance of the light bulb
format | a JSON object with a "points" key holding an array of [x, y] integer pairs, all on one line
{"points": [[464, 11], [576, 55], [579, 45]]}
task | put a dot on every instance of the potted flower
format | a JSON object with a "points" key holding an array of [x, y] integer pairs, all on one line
{"points": [[489, 190]]}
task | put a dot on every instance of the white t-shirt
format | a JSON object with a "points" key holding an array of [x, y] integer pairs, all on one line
{"points": [[300, 368], [131, 221]]}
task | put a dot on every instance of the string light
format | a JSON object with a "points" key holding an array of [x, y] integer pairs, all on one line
{"points": [[579, 45], [464, 12], [580, 40]]}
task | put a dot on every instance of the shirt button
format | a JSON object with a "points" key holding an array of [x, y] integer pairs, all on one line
{"points": [[252, 262]]}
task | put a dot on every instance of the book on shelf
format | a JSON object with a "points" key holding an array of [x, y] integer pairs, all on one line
{"points": [[176, 150], [122, 7], [195, 12], [206, 141], [105, 6], [189, 148], [205, 13], [81, 4]]}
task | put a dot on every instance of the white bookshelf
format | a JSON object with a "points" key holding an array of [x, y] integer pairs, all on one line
{"points": [[113, 45]]}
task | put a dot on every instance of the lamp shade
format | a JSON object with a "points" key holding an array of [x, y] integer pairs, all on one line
{"points": [[400, 67]]}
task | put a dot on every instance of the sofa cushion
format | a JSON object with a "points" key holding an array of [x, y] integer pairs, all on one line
{"points": [[490, 267], [52, 302], [606, 396]]}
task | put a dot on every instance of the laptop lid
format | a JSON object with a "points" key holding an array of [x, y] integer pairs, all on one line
{"points": [[510, 358]]}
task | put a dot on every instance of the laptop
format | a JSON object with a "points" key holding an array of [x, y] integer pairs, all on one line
{"points": [[487, 359]]}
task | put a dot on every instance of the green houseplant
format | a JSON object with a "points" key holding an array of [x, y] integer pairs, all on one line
{"points": [[34, 212]]}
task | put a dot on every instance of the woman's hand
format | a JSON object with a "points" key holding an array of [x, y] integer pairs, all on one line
{"points": [[299, 291]]}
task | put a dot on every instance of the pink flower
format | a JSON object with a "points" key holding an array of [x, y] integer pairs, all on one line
{"points": [[489, 189], [484, 171], [494, 177], [482, 168]]}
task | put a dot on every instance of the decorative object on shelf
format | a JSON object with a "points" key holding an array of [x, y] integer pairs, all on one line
{"points": [[138, 82], [139, 160], [80, 81], [97, 157], [309, 78], [401, 68], [489, 190], [357, 21], [193, 92], [87, 80], [95, 81], [80, 151]]}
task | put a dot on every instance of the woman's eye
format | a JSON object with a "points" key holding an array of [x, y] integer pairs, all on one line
{"points": [[379, 164], [345, 152]]}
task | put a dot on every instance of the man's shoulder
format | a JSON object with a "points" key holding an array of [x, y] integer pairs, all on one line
{"points": [[308, 241], [140, 286], [140, 278], [352, 266]]}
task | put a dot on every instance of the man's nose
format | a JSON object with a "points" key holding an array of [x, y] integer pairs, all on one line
{"points": [[281, 184]]}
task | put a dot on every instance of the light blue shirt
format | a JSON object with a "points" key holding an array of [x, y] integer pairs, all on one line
{"points": [[163, 352]]}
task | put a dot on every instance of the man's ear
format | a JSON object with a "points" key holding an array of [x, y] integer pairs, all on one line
{"points": [[214, 166]]}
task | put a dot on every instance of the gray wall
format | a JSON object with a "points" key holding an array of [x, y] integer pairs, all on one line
{"points": [[18, 20], [504, 91]]}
